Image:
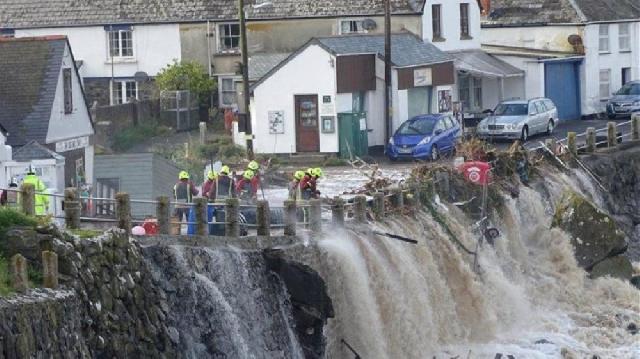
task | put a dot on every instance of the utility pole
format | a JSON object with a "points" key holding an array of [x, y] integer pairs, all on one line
{"points": [[387, 69], [246, 96]]}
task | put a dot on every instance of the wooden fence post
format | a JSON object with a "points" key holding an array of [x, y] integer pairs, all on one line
{"points": [[123, 211], [571, 143], [162, 214], [28, 199], [398, 198], [290, 217], [591, 139], [232, 217], [337, 212], [635, 127], [72, 208], [360, 209], [50, 269], [200, 206], [612, 134], [19, 277], [315, 215], [263, 218], [378, 205]]}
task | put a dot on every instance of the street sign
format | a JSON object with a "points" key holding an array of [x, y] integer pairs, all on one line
{"points": [[72, 144]]}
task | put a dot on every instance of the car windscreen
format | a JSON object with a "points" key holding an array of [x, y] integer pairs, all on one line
{"points": [[511, 109], [416, 127], [629, 89]]}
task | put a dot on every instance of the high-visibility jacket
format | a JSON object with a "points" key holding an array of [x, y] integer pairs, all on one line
{"points": [[183, 191], [42, 200], [247, 189], [224, 188]]}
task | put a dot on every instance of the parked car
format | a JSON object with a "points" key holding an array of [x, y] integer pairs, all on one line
{"points": [[519, 119], [625, 101], [424, 137]]}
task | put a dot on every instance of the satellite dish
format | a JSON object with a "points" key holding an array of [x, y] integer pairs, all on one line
{"points": [[141, 76]]}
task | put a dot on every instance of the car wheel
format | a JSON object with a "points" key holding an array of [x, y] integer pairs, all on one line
{"points": [[435, 153], [525, 134], [550, 127]]}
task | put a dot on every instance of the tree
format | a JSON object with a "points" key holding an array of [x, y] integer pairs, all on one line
{"points": [[187, 75]]}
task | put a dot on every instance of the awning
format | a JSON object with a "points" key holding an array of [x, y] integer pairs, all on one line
{"points": [[478, 62]]}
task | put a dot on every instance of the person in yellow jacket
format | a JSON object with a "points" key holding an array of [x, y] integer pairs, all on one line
{"points": [[42, 200]]}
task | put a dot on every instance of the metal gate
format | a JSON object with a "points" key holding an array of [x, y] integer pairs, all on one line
{"points": [[562, 86], [179, 108]]}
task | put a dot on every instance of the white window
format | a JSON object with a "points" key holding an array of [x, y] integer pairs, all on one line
{"points": [[120, 43], [123, 92], [624, 37], [605, 83], [470, 92], [227, 91], [352, 27], [603, 45], [477, 93], [228, 37]]}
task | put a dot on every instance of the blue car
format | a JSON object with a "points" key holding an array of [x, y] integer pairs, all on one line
{"points": [[425, 137]]}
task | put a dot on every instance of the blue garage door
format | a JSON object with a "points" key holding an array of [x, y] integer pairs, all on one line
{"points": [[562, 86]]}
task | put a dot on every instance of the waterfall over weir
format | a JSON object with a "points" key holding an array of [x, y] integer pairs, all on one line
{"points": [[393, 299]]}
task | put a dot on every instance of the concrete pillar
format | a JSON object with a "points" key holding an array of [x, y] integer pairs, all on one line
{"points": [[72, 208], [162, 214], [571, 143], [635, 127], [232, 217], [612, 134], [203, 132], [591, 139], [290, 218], [50, 269], [360, 209], [337, 212], [378, 206], [263, 218], [28, 199], [315, 215], [19, 277], [123, 211], [201, 216]]}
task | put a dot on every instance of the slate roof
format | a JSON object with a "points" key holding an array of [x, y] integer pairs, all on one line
{"points": [[484, 64], [29, 71], [34, 151], [542, 12], [406, 48], [51, 13], [260, 64]]}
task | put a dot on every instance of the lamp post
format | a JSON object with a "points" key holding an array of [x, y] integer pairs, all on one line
{"points": [[245, 79]]}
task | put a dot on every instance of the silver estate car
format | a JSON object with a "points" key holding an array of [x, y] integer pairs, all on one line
{"points": [[519, 119], [625, 101]]}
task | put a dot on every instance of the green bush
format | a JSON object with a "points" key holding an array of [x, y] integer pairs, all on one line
{"points": [[129, 137], [10, 218]]}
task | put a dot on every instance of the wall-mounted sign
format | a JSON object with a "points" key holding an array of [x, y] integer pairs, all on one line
{"points": [[444, 100], [276, 122], [72, 144], [422, 77], [326, 108]]}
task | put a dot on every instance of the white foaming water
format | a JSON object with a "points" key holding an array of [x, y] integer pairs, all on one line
{"points": [[531, 300]]}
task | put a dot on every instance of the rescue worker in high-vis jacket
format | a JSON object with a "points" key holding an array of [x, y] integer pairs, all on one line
{"points": [[255, 167], [308, 184], [209, 186], [183, 193], [247, 188], [42, 200], [225, 185], [294, 186]]}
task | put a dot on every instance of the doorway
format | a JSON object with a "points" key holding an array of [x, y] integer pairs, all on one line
{"points": [[307, 133]]}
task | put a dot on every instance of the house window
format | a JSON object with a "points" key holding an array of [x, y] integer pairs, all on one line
{"points": [[123, 92], [477, 93], [470, 92], [464, 92], [464, 21], [603, 45], [229, 39], [436, 22], [120, 43], [624, 37], [352, 27], [228, 92], [626, 75], [605, 83], [67, 91]]}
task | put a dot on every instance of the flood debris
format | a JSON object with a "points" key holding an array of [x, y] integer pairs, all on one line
{"points": [[357, 356], [395, 236]]}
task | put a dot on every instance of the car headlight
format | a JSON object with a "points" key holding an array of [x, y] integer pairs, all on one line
{"points": [[391, 141], [511, 126], [424, 141]]}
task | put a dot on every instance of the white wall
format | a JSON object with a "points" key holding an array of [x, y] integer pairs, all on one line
{"points": [[310, 72], [450, 19], [155, 46], [548, 38]]}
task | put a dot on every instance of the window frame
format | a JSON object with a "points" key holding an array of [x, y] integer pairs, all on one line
{"points": [[220, 39], [67, 90], [602, 83], [626, 36], [120, 42], [465, 33], [121, 85], [602, 37], [436, 35], [222, 91], [360, 21]]}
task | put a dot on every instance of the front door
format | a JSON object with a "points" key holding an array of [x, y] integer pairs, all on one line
{"points": [[307, 138]]}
